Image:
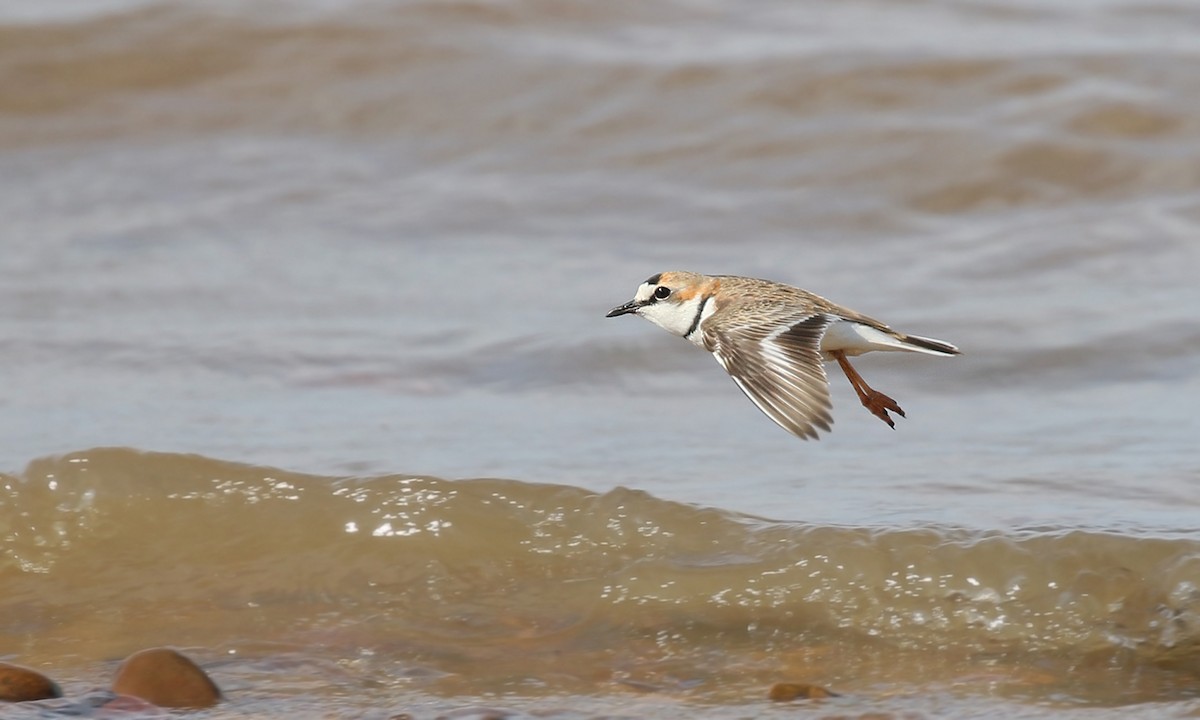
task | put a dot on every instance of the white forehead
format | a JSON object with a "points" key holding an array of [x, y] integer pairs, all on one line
{"points": [[644, 291]]}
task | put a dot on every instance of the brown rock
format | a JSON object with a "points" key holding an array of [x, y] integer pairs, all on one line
{"points": [[20, 684], [782, 692], [166, 678]]}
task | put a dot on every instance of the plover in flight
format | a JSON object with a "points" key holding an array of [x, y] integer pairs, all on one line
{"points": [[772, 339]]}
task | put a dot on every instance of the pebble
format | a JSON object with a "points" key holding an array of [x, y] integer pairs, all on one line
{"points": [[783, 692], [20, 684], [166, 678]]}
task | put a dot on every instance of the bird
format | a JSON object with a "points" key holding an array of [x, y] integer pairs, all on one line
{"points": [[773, 340]]}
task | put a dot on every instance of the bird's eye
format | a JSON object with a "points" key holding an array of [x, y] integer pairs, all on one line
{"points": [[662, 292]]}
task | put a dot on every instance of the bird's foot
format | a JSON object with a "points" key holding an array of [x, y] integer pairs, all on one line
{"points": [[879, 405]]}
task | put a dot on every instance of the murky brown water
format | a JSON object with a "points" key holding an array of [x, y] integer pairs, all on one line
{"points": [[372, 244]]}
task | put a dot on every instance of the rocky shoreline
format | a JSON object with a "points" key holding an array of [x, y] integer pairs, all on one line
{"points": [[159, 676]]}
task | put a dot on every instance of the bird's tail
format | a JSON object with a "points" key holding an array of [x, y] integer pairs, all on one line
{"points": [[928, 345]]}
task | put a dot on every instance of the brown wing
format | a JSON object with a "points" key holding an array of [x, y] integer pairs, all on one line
{"points": [[779, 367]]}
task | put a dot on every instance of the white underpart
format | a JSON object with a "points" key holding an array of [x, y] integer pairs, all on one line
{"points": [[855, 339]]}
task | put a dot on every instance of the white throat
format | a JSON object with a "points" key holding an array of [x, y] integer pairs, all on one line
{"points": [[685, 319]]}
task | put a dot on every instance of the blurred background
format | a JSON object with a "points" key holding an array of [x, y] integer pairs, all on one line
{"points": [[358, 238], [362, 237]]}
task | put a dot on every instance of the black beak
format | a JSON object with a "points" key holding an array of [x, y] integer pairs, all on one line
{"points": [[629, 307]]}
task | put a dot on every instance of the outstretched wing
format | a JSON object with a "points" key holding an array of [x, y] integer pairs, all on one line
{"points": [[780, 369]]}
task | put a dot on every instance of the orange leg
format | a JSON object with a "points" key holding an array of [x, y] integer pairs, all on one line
{"points": [[872, 399]]}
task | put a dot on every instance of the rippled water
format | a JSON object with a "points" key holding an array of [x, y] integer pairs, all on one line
{"points": [[373, 243], [512, 592]]}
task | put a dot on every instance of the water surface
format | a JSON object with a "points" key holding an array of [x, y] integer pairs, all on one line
{"points": [[301, 312]]}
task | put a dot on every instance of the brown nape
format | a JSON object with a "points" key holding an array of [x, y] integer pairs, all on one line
{"points": [[872, 399]]}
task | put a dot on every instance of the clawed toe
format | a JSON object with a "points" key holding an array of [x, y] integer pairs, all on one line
{"points": [[873, 400], [879, 405]]}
